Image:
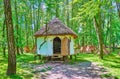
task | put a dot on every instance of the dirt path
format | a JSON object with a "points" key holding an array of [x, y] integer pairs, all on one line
{"points": [[84, 70]]}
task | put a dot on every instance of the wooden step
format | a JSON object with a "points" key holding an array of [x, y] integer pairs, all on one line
{"points": [[56, 54], [57, 61], [56, 57]]}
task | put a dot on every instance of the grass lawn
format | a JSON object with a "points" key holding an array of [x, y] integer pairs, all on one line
{"points": [[110, 62], [25, 64]]}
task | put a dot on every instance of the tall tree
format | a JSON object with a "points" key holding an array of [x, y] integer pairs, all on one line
{"points": [[118, 7], [99, 34], [10, 37], [26, 29], [67, 13], [17, 36], [57, 8], [94, 12], [4, 46]]}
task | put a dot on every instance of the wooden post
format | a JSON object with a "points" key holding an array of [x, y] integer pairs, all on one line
{"points": [[75, 56], [71, 57], [37, 55]]}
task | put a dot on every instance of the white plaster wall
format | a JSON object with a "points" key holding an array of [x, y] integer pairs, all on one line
{"points": [[72, 46], [47, 47]]}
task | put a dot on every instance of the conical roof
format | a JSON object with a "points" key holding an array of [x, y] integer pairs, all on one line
{"points": [[54, 27]]}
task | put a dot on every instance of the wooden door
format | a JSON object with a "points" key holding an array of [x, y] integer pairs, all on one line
{"points": [[65, 47]]}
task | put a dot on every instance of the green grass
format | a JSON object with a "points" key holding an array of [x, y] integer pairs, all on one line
{"points": [[26, 61], [25, 64], [110, 62]]}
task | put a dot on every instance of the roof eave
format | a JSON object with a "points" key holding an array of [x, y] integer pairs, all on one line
{"points": [[74, 35]]}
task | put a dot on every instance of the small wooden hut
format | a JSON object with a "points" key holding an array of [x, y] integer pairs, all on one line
{"points": [[55, 39]]}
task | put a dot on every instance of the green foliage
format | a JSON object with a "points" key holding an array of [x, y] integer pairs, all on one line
{"points": [[33, 14], [86, 10], [81, 13]]}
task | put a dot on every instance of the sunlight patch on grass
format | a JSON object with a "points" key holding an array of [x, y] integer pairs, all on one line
{"points": [[22, 73], [111, 62]]}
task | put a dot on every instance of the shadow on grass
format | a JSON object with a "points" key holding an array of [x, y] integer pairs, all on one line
{"points": [[4, 76], [25, 58], [78, 60], [15, 77], [22, 73], [115, 66], [113, 61]]}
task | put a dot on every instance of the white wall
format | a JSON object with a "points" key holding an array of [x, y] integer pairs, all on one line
{"points": [[47, 48], [72, 46]]}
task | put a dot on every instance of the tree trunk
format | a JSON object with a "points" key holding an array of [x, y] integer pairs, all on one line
{"points": [[33, 23], [72, 14], [118, 7], [26, 29], [83, 41], [10, 37], [99, 34], [67, 3], [4, 46], [113, 46], [57, 8], [38, 19], [16, 13], [21, 44]]}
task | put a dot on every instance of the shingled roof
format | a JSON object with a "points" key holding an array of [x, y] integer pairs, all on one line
{"points": [[54, 27]]}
